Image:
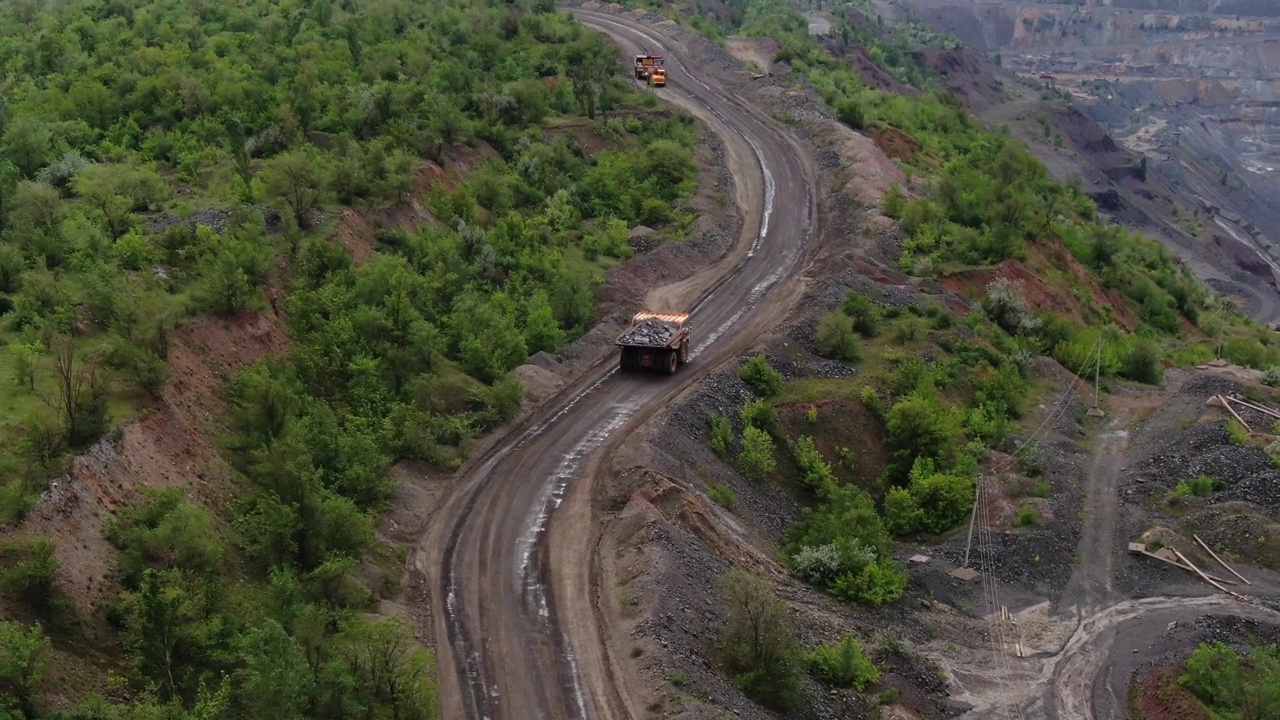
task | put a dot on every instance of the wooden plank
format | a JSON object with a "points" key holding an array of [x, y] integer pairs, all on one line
{"points": [[1250, 404], [1236, 415], [1220, 560], [1180, 566], [1207, 579]]}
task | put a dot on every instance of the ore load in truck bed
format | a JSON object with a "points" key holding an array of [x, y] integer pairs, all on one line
{"points": [[650, 333]]}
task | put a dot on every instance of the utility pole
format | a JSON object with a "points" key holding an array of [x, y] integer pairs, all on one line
{"points": [[1097, 373], [972, 518], [1095, 411]]}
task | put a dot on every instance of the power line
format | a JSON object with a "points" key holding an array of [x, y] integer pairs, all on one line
{"points": [[990, 585]]}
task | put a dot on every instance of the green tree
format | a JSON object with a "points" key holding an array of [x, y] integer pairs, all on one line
{"points": [[758, 640], [275, 680], [28, 143], [171, 625], [590, 63], [864, 313], [756, 459], [24, 663], [391, 670], [541, 331], [298, 179]]}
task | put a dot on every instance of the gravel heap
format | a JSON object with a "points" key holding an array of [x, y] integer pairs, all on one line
{"points": [[216, 219], [1207, 450], [651, 333]]}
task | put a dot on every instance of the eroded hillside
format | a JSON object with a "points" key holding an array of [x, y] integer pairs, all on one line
{"points": [[1191, 87]]}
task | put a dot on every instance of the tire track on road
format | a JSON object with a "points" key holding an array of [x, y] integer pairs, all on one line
{"points": [[506, 655]]}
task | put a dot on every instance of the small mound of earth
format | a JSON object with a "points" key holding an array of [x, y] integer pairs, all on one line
{"points": [[538, 382]]}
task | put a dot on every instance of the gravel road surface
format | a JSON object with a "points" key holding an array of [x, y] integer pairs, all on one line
{"points": [[509, 644]]}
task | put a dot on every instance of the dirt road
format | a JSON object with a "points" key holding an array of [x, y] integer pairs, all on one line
{"points": [[1090, 587], [1089, 649], [508, 642]]}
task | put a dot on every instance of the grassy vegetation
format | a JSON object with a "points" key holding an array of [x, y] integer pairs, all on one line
{"points": [[120, 118], [943, 391], [1235, 685]]}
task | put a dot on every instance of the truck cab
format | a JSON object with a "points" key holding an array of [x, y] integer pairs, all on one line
{"points": [[647, 65]]}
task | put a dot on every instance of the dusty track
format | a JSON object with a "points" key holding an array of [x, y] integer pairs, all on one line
{"points": [[1102, 637], [516, 617]]}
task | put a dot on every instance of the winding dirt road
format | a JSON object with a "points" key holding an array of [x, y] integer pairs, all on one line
{"points": [[1102, 637], [509, 643]]}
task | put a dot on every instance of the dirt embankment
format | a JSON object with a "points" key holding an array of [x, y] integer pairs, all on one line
{"points": [[1049, 260], [172, 445]]}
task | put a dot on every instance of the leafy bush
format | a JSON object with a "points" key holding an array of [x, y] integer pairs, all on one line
{"points": [[1235, 685], [835, 338], [762, 415], [1005, 306], [1236, 434], [1027, 515], [721, 434], [1201, 486], [843, 665], [1142, 362], [865, 314], [843, 547], [27, 569], [893, 203], [722, 496], [760, 375], [756, 459], [933, 502], [815, 471]]}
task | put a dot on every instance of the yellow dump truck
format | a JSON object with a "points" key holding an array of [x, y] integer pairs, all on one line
{"points": [[649, 67], [655, 341]]}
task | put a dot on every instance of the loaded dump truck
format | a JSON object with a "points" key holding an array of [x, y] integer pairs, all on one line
{"points": [[655, 341], [649, 67]]}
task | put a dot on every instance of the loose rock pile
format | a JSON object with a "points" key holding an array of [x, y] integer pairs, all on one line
{"points": [[650, 333]]}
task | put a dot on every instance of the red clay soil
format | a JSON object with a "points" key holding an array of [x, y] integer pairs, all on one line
{"points": [[1162, 698], [1107, 304], [355, 232], [841, 423], [429, 175], [464, 159], [895, 143], [357, 229], [170, 445]]}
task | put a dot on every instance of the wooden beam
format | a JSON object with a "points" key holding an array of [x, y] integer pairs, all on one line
{"points": [[1207, 579], [1236, 415], [1220, 560], [1250, 404], [1180, 566]]}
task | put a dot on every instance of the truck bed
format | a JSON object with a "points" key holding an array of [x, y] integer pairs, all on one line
{"points": [[650, 333]]}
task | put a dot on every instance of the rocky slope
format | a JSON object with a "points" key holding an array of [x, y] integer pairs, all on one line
{"points": [[1190, 87]]}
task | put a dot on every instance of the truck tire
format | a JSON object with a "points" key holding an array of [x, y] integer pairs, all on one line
{"points": [[672, 362], [684, 352], [626, 360]]}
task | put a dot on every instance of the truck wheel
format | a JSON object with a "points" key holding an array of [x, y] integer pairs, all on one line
{"points": [[673, 361], [684, 352], [624, 360]]}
